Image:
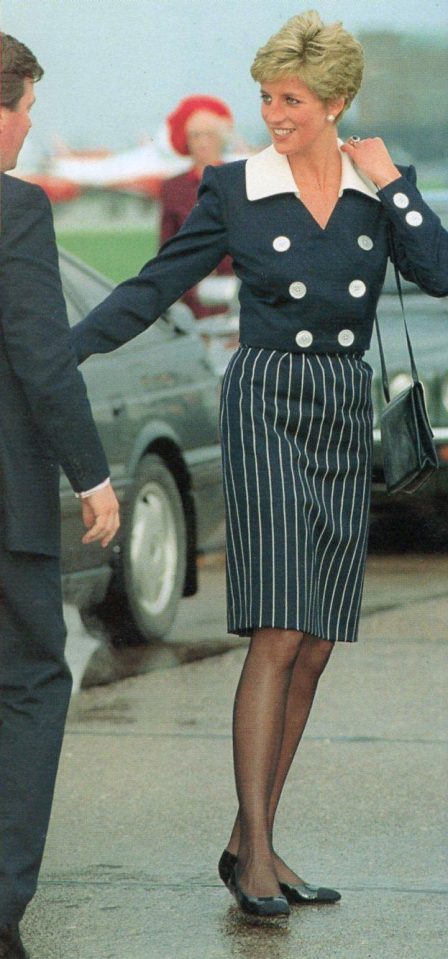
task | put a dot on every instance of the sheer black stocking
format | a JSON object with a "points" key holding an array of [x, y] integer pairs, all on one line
{"points": [[272, 705]]}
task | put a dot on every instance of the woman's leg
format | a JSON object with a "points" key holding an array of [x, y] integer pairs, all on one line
{"points": [[313, 657], [259, 719], [309, 665]]}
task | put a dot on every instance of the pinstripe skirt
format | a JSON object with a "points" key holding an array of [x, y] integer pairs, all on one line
{"points": [[296, 434]]}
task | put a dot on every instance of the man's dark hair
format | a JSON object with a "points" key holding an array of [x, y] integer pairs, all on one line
{"points": [[17, 63]]}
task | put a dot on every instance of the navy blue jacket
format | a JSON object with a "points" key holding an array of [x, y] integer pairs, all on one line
{"points": [[303, 288], [46, 420]]}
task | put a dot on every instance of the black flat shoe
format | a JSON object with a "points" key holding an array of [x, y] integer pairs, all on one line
{"points": [[226, 865], [267, 907], [303, 893], [296, 895]]}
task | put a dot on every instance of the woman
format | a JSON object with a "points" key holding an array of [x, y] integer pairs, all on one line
{"points": [[199, 127], [306, 222]]}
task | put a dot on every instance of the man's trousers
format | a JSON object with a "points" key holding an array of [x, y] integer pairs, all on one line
{"points": [[35, 686]]}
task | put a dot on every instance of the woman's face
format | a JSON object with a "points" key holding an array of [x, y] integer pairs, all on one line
{"points": [[205, 137], [295, 117]]}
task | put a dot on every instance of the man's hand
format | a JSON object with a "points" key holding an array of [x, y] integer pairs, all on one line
{"points": [[100, 513]]}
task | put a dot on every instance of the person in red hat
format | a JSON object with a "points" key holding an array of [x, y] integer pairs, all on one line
{"points": [[199, 127]]}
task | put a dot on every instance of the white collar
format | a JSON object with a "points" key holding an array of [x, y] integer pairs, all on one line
{"points": [[268, 173]]}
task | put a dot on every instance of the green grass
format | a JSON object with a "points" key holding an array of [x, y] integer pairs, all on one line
{"points": [[116, 254]]}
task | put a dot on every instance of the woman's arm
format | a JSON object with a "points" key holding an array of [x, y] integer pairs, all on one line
{"points": [[420, 242], [184, 260]]}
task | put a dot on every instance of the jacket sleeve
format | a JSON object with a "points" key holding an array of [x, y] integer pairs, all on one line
{"points": [[419, 240], [185, 259], [37, 340]]}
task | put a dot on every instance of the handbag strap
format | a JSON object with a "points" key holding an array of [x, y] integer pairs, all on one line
{"points": [[414, 372], [384, 376]]}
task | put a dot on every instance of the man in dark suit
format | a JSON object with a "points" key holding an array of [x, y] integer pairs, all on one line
{"points": [[45, 423]]}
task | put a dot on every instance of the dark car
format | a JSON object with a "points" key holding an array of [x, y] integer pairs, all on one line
{"points": [[155, 402]]}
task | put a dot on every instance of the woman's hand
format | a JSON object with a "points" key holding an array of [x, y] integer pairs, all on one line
{"points": [[372, 157]]}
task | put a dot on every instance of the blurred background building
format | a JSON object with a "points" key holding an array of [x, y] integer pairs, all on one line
{"points": [[405, 93]]}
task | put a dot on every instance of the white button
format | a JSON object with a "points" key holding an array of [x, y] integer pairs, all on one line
{"points": [[357, 288], [297, 290], [304, 338], [365, 242], [281, 243], [346, 337], [401, 200], [414, 218]]}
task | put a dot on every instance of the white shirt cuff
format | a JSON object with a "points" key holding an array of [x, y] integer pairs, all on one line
{"points": [[95, 489]]}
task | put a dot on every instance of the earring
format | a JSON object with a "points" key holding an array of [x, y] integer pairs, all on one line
{"points": [[331, 118]]}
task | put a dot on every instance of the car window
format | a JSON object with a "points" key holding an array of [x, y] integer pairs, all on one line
{"points": [[84, 288]]}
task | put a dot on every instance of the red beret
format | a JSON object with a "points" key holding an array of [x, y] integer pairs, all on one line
{"points": [[178, 118]]}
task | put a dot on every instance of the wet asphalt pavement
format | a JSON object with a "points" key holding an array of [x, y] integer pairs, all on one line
{"points": [[145, 795]]}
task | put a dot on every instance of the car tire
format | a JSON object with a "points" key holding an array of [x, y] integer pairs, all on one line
{"points": [[143, 595], [153, 559]]}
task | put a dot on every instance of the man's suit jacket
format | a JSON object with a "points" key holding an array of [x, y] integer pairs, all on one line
{"points": [[45, 416]]}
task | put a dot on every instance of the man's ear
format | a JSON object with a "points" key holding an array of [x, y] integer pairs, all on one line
{"points": [[3, 115]]}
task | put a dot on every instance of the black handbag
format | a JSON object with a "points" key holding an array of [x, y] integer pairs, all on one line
{"points": [[407, 441]]}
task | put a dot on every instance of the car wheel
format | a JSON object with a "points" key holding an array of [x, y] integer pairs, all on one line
{"points": [[144, 597], [154, 550]]}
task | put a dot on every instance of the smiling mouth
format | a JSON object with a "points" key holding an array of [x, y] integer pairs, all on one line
{"points": [[279, 132]]}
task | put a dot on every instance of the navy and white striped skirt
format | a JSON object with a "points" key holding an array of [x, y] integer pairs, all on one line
{"points": [[296, 433]]}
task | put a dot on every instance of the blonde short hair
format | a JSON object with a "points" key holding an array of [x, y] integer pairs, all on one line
{"points": [[325, 57]]}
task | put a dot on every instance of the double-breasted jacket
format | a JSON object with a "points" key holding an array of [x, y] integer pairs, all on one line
{"points": [[303, 288]]}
